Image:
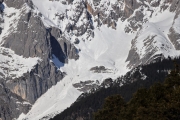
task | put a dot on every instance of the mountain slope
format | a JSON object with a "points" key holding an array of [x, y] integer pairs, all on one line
{"points": [[147, 27], [76, 41], [86, 105]]}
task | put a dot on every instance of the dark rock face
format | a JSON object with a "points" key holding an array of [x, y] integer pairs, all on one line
{"points": [[36, 41], [174, 35], [133, 57], [69, 1], [32, 39], [32, 85], [90, 86], [117, 12], [62, 48], [130, 6], [14, 3], [99, 69], [76, 41], [86, 86], [11, 105]]}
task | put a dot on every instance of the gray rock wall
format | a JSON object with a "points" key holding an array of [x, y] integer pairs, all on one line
{"points": [[33, 39], [174, 35], [133, 57], [11, 105]]}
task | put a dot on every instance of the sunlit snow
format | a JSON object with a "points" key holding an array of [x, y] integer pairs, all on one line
{"points": [[108, 48]]}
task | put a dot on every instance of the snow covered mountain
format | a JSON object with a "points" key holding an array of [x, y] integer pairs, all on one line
{"points": [[53, 50]]}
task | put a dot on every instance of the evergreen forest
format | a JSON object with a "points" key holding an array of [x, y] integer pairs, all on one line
{"points": [[160, 102], [156, 97]]}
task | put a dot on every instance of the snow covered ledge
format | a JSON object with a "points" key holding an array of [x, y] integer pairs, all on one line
{"points": [[14, 66]]}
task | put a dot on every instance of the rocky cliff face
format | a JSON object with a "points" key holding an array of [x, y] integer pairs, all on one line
{"points": [[30, 38], [162, 41], [42, 42], [27, 36], [11, 104]]}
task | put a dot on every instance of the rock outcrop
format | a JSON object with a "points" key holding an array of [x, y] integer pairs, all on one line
{"points": [[28, 37], [32, 39], [11, 105]]}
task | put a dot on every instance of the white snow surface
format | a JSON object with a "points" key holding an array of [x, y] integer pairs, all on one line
{"points": [[54, 101], [176, 24], [108, 48], [49, 10], [157, 29], [11, 17], [14, 66]]}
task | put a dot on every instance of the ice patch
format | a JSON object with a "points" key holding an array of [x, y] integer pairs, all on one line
{"points": [[56, 62]]}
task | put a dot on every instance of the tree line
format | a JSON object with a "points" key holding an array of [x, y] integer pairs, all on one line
{"points": [[160, 102], [84, 107]]}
